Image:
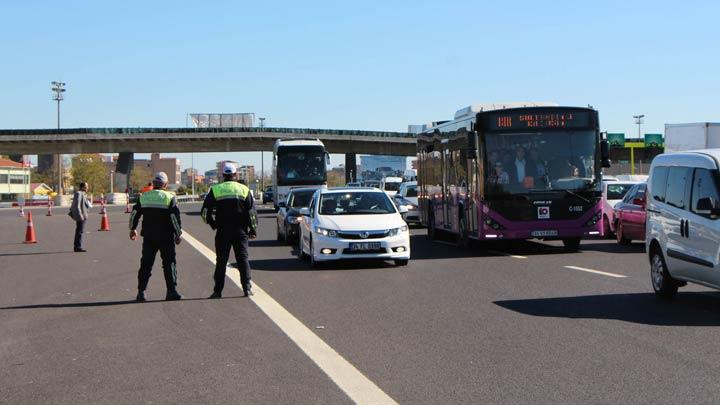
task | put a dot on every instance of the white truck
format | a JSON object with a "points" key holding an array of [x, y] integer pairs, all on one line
{"points": [[699, 135]]}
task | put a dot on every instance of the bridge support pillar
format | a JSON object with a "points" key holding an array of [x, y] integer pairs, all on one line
{"points": [[350, 167], [123, 170]]}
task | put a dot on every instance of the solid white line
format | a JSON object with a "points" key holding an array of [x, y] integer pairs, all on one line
{"points": [[353, 382], [497, 252], [595, 271]]}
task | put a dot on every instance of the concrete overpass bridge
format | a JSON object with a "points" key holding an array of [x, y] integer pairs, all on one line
{"points": [[147, 140]]}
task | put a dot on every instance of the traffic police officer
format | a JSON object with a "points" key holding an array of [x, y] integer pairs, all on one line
{"points": [[160, 231], [229, 208]]}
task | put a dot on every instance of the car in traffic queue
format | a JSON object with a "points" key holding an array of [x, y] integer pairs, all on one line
{"points": [[630, 215], [612, 193], [683, 220], [407, 196], [391, 185], [288, 215], [353, 223], [267, 195]]}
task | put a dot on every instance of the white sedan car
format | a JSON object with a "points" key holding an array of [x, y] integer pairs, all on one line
{"points": [[353, 223]]}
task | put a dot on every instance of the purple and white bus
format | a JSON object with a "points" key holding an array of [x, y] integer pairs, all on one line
{"points": [[517, 171]]}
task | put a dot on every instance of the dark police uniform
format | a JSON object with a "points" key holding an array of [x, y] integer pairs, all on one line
{"points": [[160, 228], [229, 208]]}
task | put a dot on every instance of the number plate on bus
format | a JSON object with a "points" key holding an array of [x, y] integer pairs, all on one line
{"points": [[548, 232], [364, 245]]}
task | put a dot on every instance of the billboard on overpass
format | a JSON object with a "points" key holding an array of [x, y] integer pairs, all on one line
{"points": [[223, 120], [375, 167]]}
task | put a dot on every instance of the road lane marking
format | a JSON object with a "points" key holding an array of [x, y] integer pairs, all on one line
{"points": [[348, 378], [497, 252], [595, 271]]}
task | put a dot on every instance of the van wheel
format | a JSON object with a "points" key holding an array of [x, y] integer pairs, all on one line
{"points": [[663, 284], [620, 237], [572, 244]]}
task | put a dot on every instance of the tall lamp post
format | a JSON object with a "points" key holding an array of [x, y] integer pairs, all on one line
{"points": [[638, 121], [262, 159], [58, 88]]}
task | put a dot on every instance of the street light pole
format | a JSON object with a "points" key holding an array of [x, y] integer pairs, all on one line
{"points": [[262, 159], [111, 181], [638, 121], [58, 89]]}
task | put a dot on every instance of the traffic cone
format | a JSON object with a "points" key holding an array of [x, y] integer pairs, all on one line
{"points": [[104, 222], [22, 210], [30, 232], [49, 213]]}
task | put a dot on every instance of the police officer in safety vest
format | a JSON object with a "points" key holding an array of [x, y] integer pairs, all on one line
{"points": [[160, 231], [229, 209]]}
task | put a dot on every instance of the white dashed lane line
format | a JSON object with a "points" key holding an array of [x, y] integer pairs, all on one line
{"points": [[353, 382], [602, 273], [496, 252]]}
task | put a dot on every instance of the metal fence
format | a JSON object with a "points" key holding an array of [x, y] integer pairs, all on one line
{"points": [[626, 168]]}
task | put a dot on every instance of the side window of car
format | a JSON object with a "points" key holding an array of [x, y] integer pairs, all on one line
{"points": [[704, 186], [677, 183], [659, 183], [630, 195]]}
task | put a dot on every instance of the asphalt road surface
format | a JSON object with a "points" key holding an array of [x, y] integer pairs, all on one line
{"points": [[520, 323]]}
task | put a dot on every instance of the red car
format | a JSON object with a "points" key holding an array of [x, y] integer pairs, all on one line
{"points": [[630, 215]]}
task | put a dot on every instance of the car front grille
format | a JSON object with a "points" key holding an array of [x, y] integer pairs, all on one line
{"points": [[356, 235]]}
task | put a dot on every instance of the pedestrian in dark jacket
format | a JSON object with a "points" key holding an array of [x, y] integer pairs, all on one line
{"points": [[79, 212], [161, 231]]}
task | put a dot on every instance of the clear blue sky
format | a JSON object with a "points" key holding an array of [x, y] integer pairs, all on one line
{"points": [[362, 65]]}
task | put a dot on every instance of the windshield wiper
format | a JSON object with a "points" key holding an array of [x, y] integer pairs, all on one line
{"points": [[572, 193]]}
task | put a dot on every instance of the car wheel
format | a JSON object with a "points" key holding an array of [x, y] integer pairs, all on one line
{"points": [[288, 240], [277, 229], [401, 262], [572, 244], [619, 235], [313, 264], [301, 253], [663, 284]]}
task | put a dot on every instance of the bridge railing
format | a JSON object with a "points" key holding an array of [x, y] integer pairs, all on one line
{"points": [[130, 131]]}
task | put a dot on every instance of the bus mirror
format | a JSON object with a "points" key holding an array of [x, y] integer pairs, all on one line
{"points": [[604, 153], [327, 158], [472, 145]]}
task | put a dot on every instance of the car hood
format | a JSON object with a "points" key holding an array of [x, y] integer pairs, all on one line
{"points": [[613, 203], [360, 222], [413, 200]]}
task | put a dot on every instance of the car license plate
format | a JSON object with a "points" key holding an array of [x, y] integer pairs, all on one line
{"points": [[364, 245], [548, 232]]}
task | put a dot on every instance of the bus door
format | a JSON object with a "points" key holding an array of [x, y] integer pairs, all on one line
{"points": [[446, 197]]}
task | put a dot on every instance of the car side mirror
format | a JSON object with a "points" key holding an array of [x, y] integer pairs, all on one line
{"points": [[706, 206], [604, 153], [402, 209], [281, 204]]}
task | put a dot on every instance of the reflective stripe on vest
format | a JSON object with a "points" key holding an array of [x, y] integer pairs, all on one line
{"points": [[156, 199], [230, 190]]}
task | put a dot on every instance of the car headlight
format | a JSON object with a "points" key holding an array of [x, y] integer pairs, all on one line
{"points": [[395, 231], [411, 207], [326, 232]]}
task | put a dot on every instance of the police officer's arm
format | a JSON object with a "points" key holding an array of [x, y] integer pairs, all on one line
{"points": [[175, 218], [135, 219], [208, 207], [249, 205]]}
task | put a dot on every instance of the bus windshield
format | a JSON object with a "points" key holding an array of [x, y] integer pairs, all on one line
{"points": [[519, 163], [301, 165]]}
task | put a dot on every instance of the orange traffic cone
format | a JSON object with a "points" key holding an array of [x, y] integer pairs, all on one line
{"points": [[30, 232], [49, 213], [104, 222]]}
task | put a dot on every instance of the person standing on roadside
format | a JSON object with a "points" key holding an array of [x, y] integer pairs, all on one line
{"points": [[79, 212], [229, 209], [161, 230]]}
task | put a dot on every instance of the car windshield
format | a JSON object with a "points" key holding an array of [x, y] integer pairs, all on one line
{"points": [[411, 191], [300, 199], [356, 203], [299, 165], [391, 186], [616, 191], [520, 163]]}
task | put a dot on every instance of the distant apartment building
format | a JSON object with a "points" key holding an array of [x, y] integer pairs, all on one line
{"points": [[14, 180], [171, 166], [246, 173], [187, 174], [211, 177]]}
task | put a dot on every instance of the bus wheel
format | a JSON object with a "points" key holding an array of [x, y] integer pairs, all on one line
{"points": [[572, 244], [463, 240]]}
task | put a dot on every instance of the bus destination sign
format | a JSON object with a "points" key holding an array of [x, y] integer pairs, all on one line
{"points": [[537, 120]]}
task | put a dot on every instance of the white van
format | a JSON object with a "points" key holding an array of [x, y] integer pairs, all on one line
{"points": [[683, 227], [391, 185]]}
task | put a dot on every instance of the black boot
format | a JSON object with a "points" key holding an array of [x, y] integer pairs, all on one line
{"points": [[172, 296], [140, 297], [215, 295]]}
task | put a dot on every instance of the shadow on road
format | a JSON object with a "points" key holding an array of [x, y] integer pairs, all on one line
{"points": [[687, 309], [102, 303], [295, 264], [36, 253], [613, 247]]}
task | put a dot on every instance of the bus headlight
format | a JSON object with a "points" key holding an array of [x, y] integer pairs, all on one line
{"points": [[594, 220], [326, 232], [493, 224], [395, 231]]}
